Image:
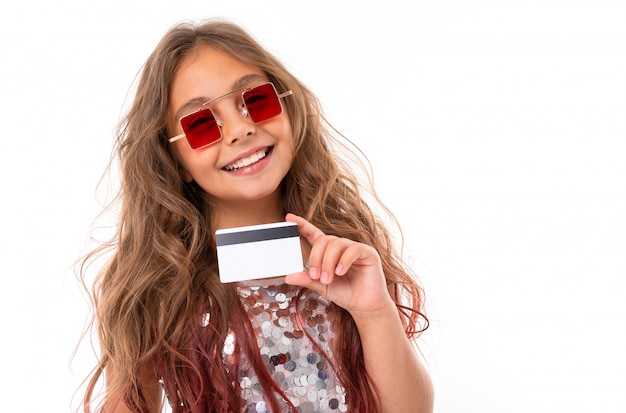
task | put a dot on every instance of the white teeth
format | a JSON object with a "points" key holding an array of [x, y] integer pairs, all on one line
{"points": [[242, 163]]}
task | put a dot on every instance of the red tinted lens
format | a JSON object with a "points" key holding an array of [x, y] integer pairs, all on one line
{"points": [[262, 102], [200, 128]]}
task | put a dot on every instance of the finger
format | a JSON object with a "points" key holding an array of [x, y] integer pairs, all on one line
{"points": [[303, 279], [316, 257], [335, 250], [350, 254], [309, 231]]}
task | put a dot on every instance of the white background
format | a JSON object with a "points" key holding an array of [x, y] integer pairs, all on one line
{"points": [[495, 130]]}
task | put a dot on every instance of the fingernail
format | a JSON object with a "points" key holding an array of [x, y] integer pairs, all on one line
{"points": [[324, 278], [339, 269], [313, 272]]}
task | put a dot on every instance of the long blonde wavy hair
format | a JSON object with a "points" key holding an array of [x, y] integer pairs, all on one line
{"points": [[161, 278]]}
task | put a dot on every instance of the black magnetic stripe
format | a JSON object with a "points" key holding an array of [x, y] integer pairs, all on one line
{"points": [[265, 234]]}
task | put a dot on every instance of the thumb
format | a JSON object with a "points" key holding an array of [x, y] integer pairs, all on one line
{"points": [[309, 231]]}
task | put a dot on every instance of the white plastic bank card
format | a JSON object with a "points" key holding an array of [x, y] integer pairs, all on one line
{"points": [[258, 251]]}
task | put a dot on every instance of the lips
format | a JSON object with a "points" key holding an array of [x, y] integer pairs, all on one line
{"points": [[248, 160]]}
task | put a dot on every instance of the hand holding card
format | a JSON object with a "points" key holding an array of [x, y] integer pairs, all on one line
{"points": [[258, 251]]}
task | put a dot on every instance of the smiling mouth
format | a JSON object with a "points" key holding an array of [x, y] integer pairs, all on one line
{"points": [[249, 160]]}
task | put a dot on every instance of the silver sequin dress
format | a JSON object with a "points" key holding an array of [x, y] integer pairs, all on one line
{"points": [[295, 363]]}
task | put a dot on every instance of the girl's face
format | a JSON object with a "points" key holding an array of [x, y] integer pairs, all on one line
{"points": [[251, 160]]}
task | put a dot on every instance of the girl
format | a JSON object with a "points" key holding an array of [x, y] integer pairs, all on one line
{"points": [[220, 135]]}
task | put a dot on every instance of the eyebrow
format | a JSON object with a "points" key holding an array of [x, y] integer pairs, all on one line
{"points": [[240, 83]]}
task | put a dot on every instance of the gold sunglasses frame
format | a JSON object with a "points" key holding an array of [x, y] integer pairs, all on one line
{"points": [[219, 124]]}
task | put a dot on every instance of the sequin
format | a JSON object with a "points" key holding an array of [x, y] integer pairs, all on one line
{"points": [[245, 383], [205, 319], [290, 365], [312, 358], [274, 360], [229, 344], [295, 364]]}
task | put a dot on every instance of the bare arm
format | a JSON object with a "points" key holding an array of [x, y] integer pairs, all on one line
{"points": [[402, 382]]}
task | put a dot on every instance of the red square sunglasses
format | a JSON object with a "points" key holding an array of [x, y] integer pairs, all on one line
{"points": [[202, 127]]}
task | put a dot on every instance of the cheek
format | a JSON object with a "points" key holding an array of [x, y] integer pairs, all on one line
{"points": [[287, 134], [289, 147]]}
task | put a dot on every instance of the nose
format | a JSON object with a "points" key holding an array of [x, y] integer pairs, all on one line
{"points": [[236, 125]]}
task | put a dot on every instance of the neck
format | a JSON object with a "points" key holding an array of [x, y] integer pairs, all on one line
{"points": [[239, 214]]}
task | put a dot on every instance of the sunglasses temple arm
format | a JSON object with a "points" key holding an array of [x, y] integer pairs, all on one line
{"points": [[284, 94], [177, 137]]}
